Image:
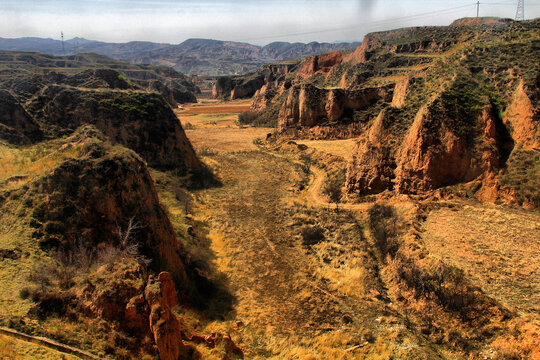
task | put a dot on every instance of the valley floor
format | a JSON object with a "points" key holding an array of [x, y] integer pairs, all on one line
{"points": [[291, 300], [329, 299], [299, 296]]}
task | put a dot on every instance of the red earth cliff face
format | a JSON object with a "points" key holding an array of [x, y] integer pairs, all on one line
{"points": [[522, 119], [433, 156], [307, 105], [371, 167], [164, 325], [320, 63]]}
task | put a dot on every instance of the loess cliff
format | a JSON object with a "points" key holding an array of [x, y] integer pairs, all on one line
{"points": [[430, 107]]}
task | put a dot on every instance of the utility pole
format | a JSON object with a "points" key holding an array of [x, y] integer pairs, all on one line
{"points": [[477, 8], [520, 12], [63, 48]]}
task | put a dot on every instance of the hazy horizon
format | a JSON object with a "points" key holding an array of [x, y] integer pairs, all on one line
{"points": [[257, 22]]}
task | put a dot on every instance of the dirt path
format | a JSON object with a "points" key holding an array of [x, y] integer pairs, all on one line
{"points": [[314, 193], [51, 344]]}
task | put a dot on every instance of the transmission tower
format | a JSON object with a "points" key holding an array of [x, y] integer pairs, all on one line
{"points": [[520, 12], [63, 47]]}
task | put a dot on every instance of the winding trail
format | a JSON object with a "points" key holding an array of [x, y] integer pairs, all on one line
{"points": [[49, 343]]}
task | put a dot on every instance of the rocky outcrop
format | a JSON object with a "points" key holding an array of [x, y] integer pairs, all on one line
{"points": [[164, 325], [434, 155], [172, 92], [140, 121], [522, 118], [257, 83], [247, 89], [320, 63], [123, 291], [372, 164], [98, 198], [362, 53], [308, 106], [16, 126], [114, 293], [400, 93]]}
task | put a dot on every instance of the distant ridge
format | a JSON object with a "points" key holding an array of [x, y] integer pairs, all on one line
{"points": [[193, 56]]}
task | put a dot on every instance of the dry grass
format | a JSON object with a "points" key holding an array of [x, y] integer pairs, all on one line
{"points": [[226, 140], [211, 113], [211, 127], [293, 301], [216, 107], [497, 247], [20, 165], [342, 148], [385, 80], [15, 349], [191, 121]]}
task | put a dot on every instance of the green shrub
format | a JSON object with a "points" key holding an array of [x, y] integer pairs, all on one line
{"points": [[247, 118]]}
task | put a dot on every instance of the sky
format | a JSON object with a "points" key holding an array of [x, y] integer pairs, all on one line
{"points": [[257, 22]]}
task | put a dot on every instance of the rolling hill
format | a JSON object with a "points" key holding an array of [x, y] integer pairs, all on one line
{"points": [[193, 56]]}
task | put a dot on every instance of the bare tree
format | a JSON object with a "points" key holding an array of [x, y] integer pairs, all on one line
{"points": [[129, 247]]}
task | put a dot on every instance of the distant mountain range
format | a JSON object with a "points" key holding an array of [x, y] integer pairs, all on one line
{"points": [[193, 56]]}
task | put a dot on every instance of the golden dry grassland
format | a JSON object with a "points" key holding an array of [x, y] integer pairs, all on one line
{"points": [[498, 247]]}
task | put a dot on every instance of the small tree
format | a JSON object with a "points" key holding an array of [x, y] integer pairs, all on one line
{"points": [[334, 192]]}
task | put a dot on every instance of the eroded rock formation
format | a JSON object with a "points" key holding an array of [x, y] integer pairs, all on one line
{"points": [[140, 121], [433, 155], [372, 164], [522, 118], [164, 325], [308, 105]]}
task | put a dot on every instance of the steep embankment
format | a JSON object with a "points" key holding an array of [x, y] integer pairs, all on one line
{"points": [[16, 125], [140, 121], [82, 208], [431, 107]]}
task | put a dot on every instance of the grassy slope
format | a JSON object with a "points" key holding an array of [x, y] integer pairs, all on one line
{"points": [[469, 236], [20, 166]]}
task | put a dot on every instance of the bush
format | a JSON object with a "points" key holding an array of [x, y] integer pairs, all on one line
{"points": [[382, 223], [247, 117], [434, 279], [312, 235], [333, 190]]}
